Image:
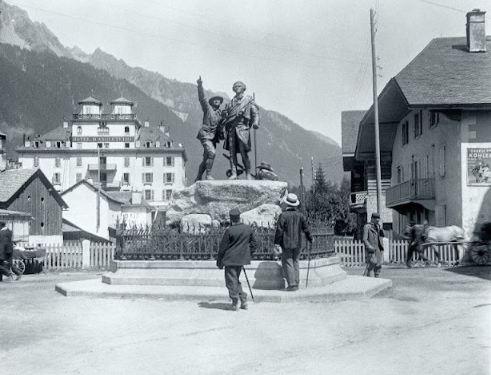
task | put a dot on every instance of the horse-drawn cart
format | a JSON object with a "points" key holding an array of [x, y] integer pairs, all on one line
{"points": [[28, 259], [480, 246]]}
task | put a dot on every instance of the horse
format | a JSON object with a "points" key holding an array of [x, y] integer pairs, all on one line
{"points": [[433, 235]]}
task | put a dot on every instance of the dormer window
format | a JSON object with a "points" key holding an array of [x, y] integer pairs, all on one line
{"points": [[79, 130], [36, 144], [148, 144], [58, 144]]}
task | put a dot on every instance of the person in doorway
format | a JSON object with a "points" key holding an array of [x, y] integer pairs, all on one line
{"points": [[287, 239], [374, 248], [236, 246], [210, 133]]}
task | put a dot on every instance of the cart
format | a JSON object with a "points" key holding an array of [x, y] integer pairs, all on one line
{"points": [[28, 258], [480, 247]]}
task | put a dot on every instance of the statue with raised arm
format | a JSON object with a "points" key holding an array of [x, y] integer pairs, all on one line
{"points": [[209, 134], [239, 116]]}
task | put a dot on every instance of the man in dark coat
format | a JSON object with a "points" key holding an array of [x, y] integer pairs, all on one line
{"points": [[6, 251], [413, 233], [374, 248], [240, 115], [238, 242], [209, 134], [289, 226]]}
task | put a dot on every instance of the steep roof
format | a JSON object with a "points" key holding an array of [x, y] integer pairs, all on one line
{"points": [[122, 100], [93, 188], [350, 123], [445, 73], [152, 134], [90, 100], [60, 133], [12, 180]]}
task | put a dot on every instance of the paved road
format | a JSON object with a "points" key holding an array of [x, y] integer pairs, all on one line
{"points": [[433, 321]]}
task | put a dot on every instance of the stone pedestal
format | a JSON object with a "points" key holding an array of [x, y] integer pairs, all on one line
{"points": [[262, 274]]}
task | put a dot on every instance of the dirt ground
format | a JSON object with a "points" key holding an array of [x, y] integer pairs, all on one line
{"points": [[433, 321]]}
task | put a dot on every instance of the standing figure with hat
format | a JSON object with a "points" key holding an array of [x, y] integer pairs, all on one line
{"points": [[266, 172], [239, 116], [209, 134], [374, 248], [289, 226], [236, 246], [6, 254]]}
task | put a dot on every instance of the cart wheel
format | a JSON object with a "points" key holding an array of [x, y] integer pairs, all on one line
{"points": [[20, 265], [480, 253]]}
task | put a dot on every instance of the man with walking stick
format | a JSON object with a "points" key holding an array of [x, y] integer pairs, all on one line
{"points": [[236, 246], [289, 226]]}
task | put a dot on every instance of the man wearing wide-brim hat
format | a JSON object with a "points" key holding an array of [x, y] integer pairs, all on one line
{"points": [[266, 172], [209, 134], [289, 226]]}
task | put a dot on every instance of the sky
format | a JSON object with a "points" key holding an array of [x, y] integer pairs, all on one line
{"points": [[309, 60]]}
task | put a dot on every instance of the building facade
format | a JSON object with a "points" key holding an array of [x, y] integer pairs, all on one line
{"points": [[435, 133], [114, 148]]}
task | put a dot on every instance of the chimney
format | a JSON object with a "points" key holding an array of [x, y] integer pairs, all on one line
{"points": [[476, 31]]}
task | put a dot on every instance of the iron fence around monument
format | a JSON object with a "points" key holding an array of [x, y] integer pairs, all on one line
{"points": [[200, 243]]}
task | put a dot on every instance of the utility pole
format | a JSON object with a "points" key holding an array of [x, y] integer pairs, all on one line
{"points": [[255, 139], [302, 189], [313, 189], [375, 108], [98, 222]]}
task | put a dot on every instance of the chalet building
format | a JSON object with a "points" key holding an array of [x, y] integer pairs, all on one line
{"points": [[114, 149], [30, 192], [435, 134]]}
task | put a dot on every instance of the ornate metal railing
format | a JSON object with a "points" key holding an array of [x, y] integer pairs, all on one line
{"points": [[160, 243], [103, 116]]}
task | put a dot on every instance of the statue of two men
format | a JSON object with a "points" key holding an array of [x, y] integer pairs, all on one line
{"points": [[234, 126]]}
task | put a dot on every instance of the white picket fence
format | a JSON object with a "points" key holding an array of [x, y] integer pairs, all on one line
{"points": [[77, 255], [352, 253]]}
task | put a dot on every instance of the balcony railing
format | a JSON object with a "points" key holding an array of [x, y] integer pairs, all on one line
{"points": [[104, 116], [103, 167], [418, 189], [358, 199]]}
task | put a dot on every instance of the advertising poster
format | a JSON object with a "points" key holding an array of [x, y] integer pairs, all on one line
{"points": [[478, 166]]}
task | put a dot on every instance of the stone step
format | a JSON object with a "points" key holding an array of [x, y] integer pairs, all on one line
{"points": [[351, 288]]}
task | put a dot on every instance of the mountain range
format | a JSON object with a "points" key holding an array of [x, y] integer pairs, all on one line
{"points": [[42, 82]]}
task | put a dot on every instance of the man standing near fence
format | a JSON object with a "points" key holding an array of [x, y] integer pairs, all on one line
{"points": [[287, 238], [238, 242], [374, 248], [6, 254], [413, 233]]}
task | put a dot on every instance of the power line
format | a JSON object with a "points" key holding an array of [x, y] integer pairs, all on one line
{"points": [[445, 6]]}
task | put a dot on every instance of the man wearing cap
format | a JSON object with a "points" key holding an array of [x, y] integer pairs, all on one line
{"points": [[209, 134], [266, 172], [236, 246], [6, 252], [374, 248], [289, 226], [239, 116]]}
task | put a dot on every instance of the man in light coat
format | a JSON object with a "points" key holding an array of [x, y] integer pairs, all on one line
{"points": [[374, 248]]}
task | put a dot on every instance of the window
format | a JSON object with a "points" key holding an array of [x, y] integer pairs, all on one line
{"points": [[79, 130], [147, 161], [168, 194], [405, 133], [434, 118], [126, 178], [148, 195], [103, 178], [102, 129], [147, 144], [36, 161], [56, 178], [78, 177], [418, 124], [79, 161], [147, 178], [400, 175], [126, 145], [169, 161], [99, 145], [442, 161], [57, 162], [126, 130], [79, 145], [106, 145], [126, 161], [168, 178], [58, 144], [36, 144]]}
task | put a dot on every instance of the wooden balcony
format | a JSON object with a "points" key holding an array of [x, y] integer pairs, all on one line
{"points": [[418, 190]]}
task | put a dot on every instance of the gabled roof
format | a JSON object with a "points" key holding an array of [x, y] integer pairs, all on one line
{"points": [[152, 134], [445, 73], [90, 100], [13, 180], [350, 123], [58, 134], [122, 100], [126, 197], [91, 187]]}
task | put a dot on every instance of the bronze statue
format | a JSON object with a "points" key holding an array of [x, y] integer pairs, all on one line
{"points": [[239, 115], [209, 134]]}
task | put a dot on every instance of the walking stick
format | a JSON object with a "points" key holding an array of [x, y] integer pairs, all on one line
{"points": [[308, 267], [248, 284]]}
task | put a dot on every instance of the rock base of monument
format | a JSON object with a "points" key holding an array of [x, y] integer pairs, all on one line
{"points": [[267, 275]]}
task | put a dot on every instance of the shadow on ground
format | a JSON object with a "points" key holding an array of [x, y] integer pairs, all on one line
{"points": [[214, 305], [483, 272]]}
